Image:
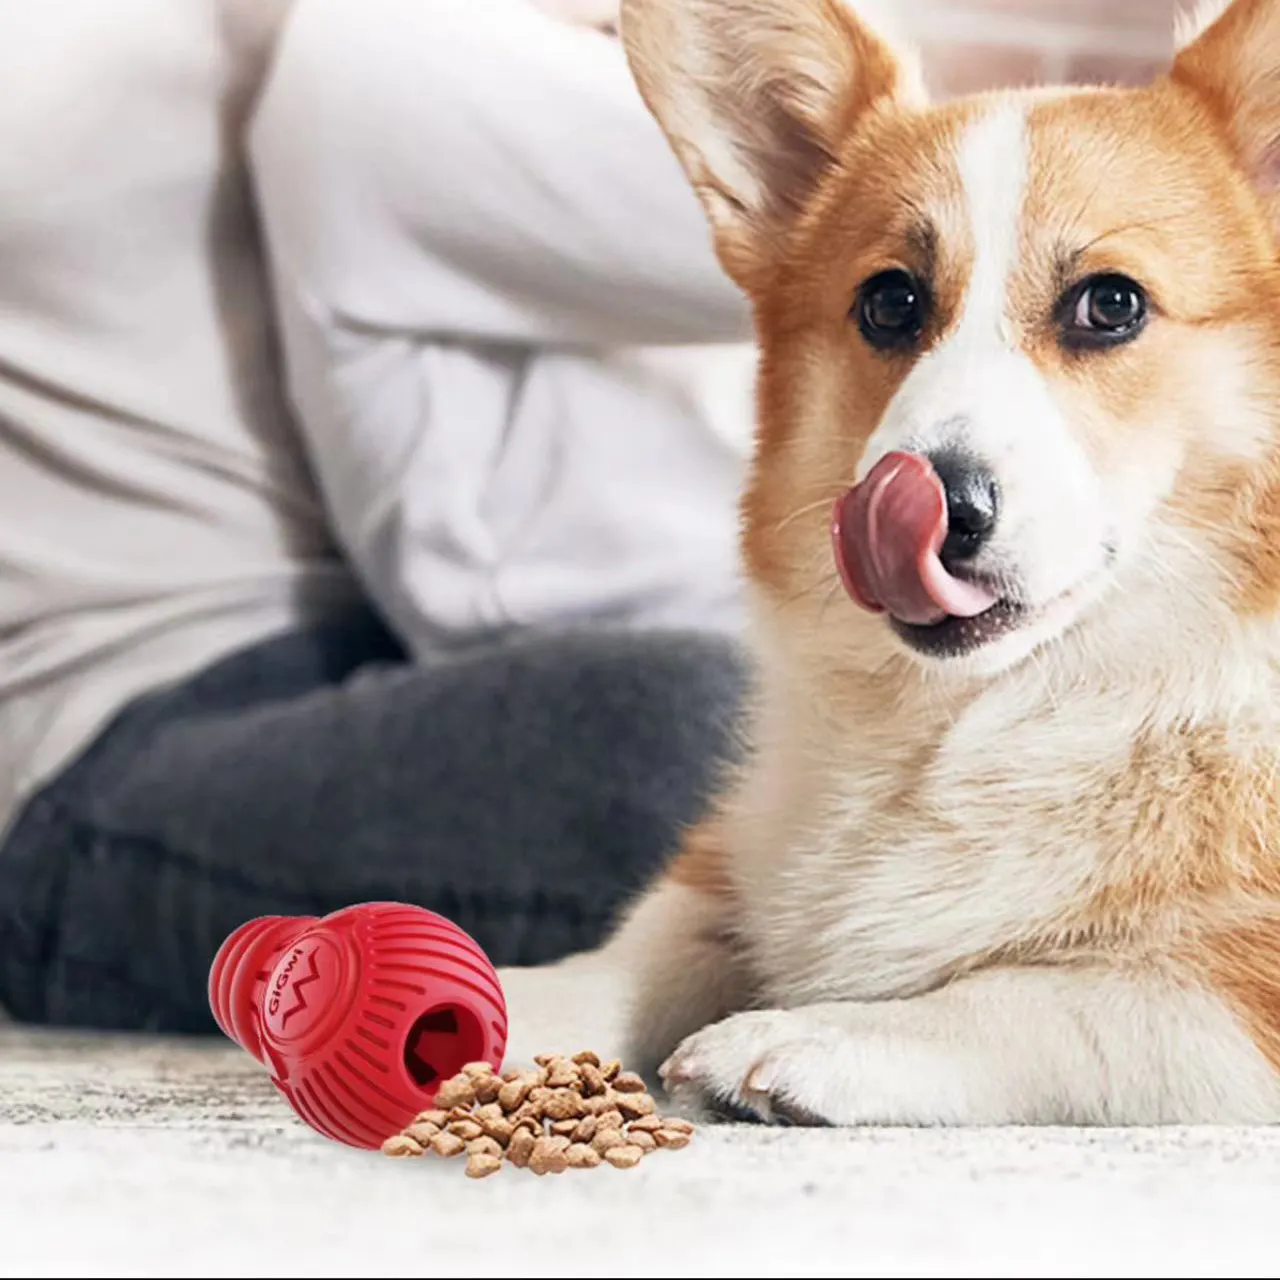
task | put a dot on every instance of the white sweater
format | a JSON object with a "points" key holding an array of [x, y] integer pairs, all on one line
{"points": [[445, 272], [473, 222]]}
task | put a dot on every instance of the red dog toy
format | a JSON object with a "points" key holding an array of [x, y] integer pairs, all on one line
{"points": [[360, 1016]]}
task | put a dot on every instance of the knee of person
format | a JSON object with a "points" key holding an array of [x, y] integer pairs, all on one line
{"points": [[713, 670], [664, 665], [679, 695]]}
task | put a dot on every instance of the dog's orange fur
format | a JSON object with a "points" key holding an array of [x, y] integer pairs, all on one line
{"points": [[702, 864]]}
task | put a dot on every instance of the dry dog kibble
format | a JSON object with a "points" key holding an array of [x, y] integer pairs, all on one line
{"points": [[572, 1112], [606, 1139], [548, 1156], [512, 1094], [581, 1156], [520, 1148], [528, 1117], [448, 1145], [481, 1165], [593, 1081], [625, 1156], [457, 1092], [672, 1139], [487, 1090], [499, 1130], [530, 1114], [401, 1146], [563, 1104], [635, 1105], [563, 1074]]}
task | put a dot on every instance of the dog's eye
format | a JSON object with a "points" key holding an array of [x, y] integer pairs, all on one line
{"points": [[891, 310], [1106, 310]]}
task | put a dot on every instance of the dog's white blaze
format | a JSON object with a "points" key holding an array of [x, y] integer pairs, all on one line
{"points": [[993, 168], [953, 383]]}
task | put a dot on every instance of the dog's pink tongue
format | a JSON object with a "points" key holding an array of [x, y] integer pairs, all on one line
{"points": [[888, 532]]}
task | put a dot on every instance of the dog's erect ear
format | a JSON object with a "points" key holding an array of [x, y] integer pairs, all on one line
{"points": [[755, 95], [1234, 64]]}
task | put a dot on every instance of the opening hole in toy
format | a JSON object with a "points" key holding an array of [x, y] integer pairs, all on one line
{"points": [[440, 1043]]}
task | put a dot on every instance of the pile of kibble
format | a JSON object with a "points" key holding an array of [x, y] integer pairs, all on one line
{"points": [[571, 1113]]}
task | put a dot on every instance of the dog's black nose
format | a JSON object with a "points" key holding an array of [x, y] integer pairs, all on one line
{"points": [[973, 504]]}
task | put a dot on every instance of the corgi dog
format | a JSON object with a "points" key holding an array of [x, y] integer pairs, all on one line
{"points": [[1005, 844]]}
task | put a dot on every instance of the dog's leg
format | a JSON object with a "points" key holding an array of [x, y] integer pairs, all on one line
{"points": [[687, 971], [1010, 1046], [564, 1007], [669, 969]]}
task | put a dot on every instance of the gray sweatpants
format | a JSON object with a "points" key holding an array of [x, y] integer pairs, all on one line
{"points": [[525, 790]]}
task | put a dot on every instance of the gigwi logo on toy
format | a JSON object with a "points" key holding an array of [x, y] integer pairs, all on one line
{"points": [[281, 983], [288, 995]]}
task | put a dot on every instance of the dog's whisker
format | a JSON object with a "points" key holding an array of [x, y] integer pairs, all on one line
{"points": [[806, 510], [833, 594]]}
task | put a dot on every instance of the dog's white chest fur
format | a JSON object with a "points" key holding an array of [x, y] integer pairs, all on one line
{"points": [[873, 861]]}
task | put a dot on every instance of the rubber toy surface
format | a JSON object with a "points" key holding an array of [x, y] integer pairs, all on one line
{"points": [[361, 1015]]}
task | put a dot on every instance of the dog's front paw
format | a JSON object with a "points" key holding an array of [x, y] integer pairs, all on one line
{"points": [[778, 1066]]}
